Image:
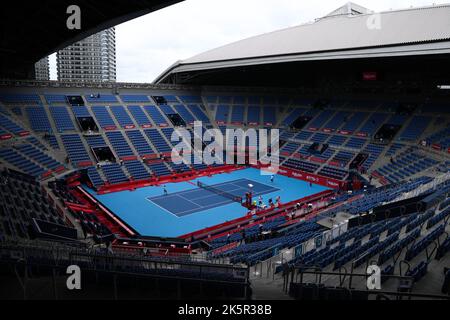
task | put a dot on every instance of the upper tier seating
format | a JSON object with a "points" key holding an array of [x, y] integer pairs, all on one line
{"points": [[397, 119], [62, 119], [184, 113], [38, 119], [222, 113], [237, 114], [122, 117], [166, 109], [374, 151], [135, 98], [156, 116], [22, 163], [415, 128], [9, 125], [340, 118], [103, 117], [96, 141], [393, 149], [55, 99], [270, 116], [20, 98], [354, 122], [80, 111], [442, 138], [406, 165], [139, 115], [319, 137], [199, 112], [191, 99], [254, 115], [39, 157], [337, 140], [75, 149], [139, 143], [372, 124], [119, 144], [321, 119], [102, 98], [158, 141], [355, 143], [171, 99], [292, 116], [303, 135], [343, 158], [225, 99]]}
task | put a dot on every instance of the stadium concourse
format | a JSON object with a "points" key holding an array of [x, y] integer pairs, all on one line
{"points": [[88, 179]]}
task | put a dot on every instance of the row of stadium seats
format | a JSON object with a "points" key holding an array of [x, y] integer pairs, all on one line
{"points": [[361, 244], [22, 201], [406, 165]]}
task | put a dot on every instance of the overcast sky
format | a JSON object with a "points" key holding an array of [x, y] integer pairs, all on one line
{"points": [[148, 45]]}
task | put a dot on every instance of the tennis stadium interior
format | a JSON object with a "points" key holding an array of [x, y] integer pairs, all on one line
{"points": [[88, 178]]}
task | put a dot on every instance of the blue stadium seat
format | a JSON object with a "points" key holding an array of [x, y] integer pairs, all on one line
{"points": [[156, 116], [119, 144], [102, 98], [269, 116], [114, 173], [27, 166], [139, 115], [222, 113], [199, 113], [184, 113], [38, 119], [237, 114], [137, 170], [158, 141], [75, 149], [103, 117], [254, 115], [135, 98], [139, 143], [122, 117], [62, 119]]}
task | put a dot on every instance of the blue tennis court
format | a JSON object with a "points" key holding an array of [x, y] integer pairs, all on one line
{"points": [[191, 201], [149, 214]]}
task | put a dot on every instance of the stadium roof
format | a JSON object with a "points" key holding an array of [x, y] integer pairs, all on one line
{"points": [[31, 30], [348, 32]]}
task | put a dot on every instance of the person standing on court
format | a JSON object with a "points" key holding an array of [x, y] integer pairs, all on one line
{"points": [[165, 190], [272, 177]]}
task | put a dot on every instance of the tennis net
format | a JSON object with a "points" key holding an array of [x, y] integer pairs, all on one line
{"points": [[220, 192]]}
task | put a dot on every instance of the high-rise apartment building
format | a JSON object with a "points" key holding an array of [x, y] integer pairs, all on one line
{"points": [[90, 60], [42, 69]]}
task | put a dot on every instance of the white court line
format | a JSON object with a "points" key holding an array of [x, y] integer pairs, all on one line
{"points": [[163, 209], [201, 208]]}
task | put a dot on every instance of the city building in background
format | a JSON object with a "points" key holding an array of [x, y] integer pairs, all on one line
{"points": [[90, 60], [42, 69]]}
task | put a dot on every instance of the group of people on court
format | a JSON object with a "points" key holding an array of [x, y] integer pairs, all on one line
{"points": [[260, 204]]}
